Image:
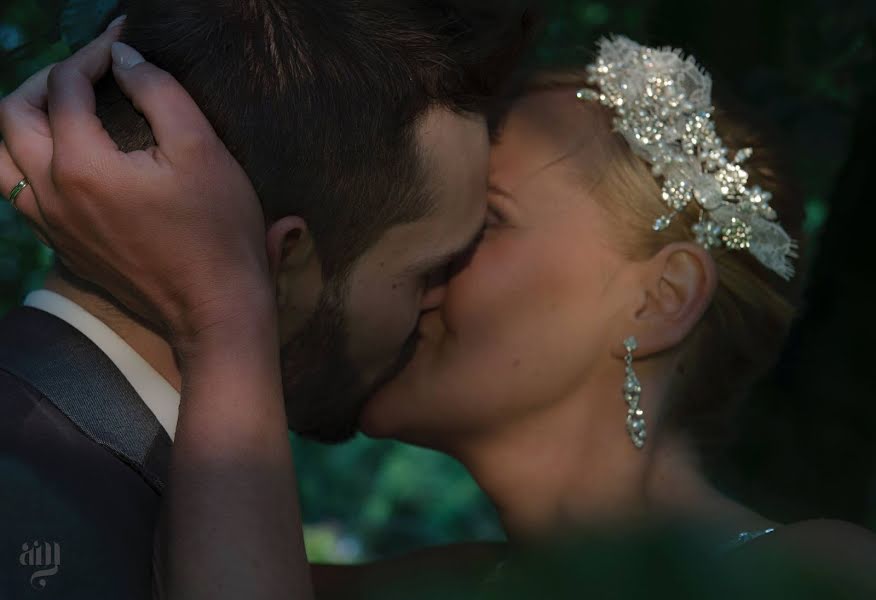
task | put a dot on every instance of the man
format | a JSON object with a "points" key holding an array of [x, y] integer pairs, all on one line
{"points": [[360, 128]]}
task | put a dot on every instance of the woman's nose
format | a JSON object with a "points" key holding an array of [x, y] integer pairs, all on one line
{"points": [[433, 296]]}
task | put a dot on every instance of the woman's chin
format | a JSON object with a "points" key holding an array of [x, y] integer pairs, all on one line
{"points": [[393, 407], [372, 426], [387, 412]]}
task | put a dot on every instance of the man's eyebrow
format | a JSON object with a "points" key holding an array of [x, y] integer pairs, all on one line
{"points": [[433, 262]]}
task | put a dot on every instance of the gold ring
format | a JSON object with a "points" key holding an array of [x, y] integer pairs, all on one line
{"points": [[16, 191]]}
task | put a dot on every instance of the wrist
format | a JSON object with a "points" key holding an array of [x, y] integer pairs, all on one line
{"points": [[231, 324]]}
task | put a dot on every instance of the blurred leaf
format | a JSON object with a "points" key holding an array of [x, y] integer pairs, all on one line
{"points": [[816, 215], [593, 13], [81, 20], [10, 37], [45, 56]]}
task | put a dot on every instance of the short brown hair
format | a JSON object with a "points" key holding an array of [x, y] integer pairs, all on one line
{"points": [[318, 100]]}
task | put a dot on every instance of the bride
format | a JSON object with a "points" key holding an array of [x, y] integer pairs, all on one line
{"points": [[589, 340], [634, 277]]}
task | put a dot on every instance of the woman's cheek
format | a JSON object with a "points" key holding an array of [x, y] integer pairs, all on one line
{"points": [[479, 294]]}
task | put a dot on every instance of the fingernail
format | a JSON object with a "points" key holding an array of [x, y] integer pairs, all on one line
{"points": [[116, 22], [125, 57]]}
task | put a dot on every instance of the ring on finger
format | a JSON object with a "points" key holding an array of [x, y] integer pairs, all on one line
{"points": [[16, 191]]}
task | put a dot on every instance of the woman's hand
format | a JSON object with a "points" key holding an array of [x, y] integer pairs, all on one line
{"points": [[175, 233]]}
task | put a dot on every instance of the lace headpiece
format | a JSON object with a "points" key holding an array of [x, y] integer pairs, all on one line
{"points": [[663, 108]]}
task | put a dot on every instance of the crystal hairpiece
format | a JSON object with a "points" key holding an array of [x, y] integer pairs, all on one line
{"points": [[663, 108]]}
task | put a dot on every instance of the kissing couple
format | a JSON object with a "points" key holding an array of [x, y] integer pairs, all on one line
{"points": [[337, 217]]}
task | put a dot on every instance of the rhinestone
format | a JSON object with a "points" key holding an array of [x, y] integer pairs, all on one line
{"points": [[737, 236], [662, 223], [631, 386], [743, 155], [708, 234]]}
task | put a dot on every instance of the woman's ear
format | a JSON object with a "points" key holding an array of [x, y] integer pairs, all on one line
{"points": [[288, 245], [679, 285]]}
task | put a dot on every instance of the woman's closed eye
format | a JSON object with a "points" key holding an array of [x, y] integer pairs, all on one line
{"points": [[497, 201], [494, 218]]}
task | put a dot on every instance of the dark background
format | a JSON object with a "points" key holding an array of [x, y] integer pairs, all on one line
{"points": [[804, 445]]}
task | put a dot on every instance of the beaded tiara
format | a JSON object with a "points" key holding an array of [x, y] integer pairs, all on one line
{"points": [[662, 107]]}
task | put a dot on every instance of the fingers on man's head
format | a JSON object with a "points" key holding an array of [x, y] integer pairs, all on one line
{"points": [[31, 96], [177, 123], [93, 59], [32, 93], [70, 87], [24, 124]]}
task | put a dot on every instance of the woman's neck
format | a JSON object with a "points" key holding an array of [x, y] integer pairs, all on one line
{"points": [[575, 466]]}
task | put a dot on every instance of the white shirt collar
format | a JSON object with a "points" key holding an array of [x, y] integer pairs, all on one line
{"points": [[161, 398]]}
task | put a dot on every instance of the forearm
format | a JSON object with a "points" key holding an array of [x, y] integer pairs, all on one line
{"points": [[233, 522], [179, 227]]}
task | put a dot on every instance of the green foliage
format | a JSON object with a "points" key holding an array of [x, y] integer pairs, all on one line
{"points": [[81, 19], [370, 498]]}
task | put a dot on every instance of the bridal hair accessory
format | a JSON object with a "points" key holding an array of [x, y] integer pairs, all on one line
{"points": [[632, 394], [663, 108]]}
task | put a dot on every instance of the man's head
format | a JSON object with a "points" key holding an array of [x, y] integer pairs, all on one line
{"points": [[361, 127]]}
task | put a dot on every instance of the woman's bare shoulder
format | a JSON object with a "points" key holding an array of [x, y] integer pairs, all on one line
{"points": [[839, 546], [829, 533]]}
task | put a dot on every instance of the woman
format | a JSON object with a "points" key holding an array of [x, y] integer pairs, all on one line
{"points": [[520, 373], [617, 292]]}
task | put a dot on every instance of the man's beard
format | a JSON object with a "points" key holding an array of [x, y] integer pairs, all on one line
{"points": [[323, 390]]}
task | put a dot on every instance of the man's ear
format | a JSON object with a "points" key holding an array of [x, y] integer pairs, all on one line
{"points": [[679, 284], [288, 245], [294, 264]]}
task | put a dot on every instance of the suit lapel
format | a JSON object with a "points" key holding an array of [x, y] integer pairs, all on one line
{"points": [[84, 384]]}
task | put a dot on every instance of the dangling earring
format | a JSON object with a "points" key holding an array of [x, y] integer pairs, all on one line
{"points": [[632, 394]]}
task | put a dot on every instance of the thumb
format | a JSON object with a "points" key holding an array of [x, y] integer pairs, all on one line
{"points": [[176, 121]]}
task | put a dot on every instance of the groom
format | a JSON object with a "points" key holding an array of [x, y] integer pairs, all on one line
{"points": [[360, 126]]}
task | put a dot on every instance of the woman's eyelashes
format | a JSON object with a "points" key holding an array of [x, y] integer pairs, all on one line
{"points": [[442, 273], [494, 218]]}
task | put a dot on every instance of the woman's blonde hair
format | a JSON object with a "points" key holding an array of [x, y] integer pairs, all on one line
{"points": [[742, 333]]}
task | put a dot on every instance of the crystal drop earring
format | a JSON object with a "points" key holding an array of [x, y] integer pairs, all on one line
{"points": [[632, 394]]}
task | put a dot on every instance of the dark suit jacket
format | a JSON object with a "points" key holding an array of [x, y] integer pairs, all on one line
{"points": [[82, 465]]}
